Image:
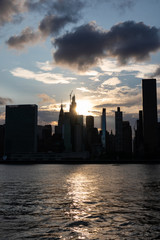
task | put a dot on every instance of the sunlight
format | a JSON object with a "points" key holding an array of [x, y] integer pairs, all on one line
{"points": [[84, 107]]}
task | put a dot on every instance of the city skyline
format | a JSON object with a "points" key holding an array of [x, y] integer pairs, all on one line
{"points": [[75, 138], [40, 66]]}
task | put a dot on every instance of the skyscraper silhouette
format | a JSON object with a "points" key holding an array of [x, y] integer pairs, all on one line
{"points": [[103, 127], [21, 129], [119, 130], [149, 115]]}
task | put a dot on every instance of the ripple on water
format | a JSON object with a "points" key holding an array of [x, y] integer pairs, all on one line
{"points": [[79, 202]]}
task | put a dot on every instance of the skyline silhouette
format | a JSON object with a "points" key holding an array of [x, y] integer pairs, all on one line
{"points": [[22, 134]]}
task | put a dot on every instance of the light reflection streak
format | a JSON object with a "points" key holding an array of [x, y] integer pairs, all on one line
{"points": [[80, 189]]}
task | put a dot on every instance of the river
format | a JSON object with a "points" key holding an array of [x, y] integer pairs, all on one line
{"points": [[79, 201]]}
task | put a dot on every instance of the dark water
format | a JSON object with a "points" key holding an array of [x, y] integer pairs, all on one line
{"points": [[79, 202]]}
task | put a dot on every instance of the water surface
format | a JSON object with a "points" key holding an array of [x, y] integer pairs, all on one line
{"points": [[79, 202]]}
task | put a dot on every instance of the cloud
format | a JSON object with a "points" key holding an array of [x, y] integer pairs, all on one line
{"points": [[127, 103], [9, 9], [140, 70], [47, 78], [2, 117], [156, 73], [59, 14], [60, 7], [4, 101], [123, 96], [27, 36], [112, 81], [45, 66], [64, 12], [45, 98], [38, 5], [84, 90], [47, 117], [88, 44], [80, 48], [51, 25]]}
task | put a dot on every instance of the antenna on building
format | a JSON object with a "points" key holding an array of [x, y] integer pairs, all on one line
{"points": [[71, 95]]}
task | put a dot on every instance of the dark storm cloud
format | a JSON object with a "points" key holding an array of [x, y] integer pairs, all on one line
{"points": [[83, 47], [64, 12], [156, 73], [88, 44], [53, 24], [4, 101], [27, 36], [8, 9], [59, 14], [132, 40]]}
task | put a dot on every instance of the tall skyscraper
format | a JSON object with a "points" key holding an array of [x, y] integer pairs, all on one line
{"points": [[103, 127], [118, 130], [73, 106], [21, 129], [149, 115]]}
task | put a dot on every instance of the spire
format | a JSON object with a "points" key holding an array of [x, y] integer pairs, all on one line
{"points": [[61, 111], [73, 105], [61, 115]]}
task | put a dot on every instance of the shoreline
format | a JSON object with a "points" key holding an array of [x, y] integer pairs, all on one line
{"points": [[83, 161]]}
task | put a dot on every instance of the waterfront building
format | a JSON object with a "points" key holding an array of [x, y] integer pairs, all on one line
{"points": [[21, 129], [78, 134], [67, 132], [79, 120], [60, 121], [2, 128], [138, 139], [89, 122], [149, 96], [118, 130], [73, 106], [78, 138], [103, 127], [127, 138]]}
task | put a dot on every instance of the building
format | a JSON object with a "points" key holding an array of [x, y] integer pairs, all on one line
{"points": [[21, 129], [138, 140], [149, 96], [78, 138], [103, 127], [89, 122], [2, 128], [73, 106], [78, 134], [60, 121], [118, 130], [127, 139], [67, 134]]}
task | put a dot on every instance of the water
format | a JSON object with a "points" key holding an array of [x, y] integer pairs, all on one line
{"points": [[79, 202]]}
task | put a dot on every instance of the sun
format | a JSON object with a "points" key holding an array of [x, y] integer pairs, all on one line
{"points": [[83, 107]]}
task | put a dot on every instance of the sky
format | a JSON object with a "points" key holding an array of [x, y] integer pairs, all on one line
{"points": [[97, 49]]}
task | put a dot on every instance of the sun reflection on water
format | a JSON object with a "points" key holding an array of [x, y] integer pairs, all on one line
{"points": [[80, 189]]}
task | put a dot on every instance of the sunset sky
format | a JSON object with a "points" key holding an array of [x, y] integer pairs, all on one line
{"points": [[100, 49]]}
